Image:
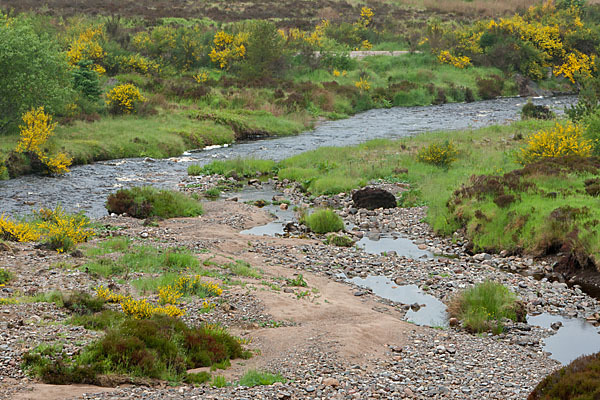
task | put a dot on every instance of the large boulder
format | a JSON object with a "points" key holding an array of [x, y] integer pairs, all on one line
{"points": [[372, 198]]}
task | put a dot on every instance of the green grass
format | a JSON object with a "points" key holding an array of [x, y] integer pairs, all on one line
{"points": [[259, 378], [148, 201], [110, 245], [241, 167], [219, 381], [324, 221], [145, 259], [242, 268], [482, 307]]}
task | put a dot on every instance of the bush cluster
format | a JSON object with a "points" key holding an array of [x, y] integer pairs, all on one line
{"points": [[563, 140], [147, 201], [160, 347]]}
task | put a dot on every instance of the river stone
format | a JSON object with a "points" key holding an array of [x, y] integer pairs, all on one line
{"points": [[372, 198]]}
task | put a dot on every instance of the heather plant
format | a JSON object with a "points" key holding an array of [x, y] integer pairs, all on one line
{"points": [[147, 201], [160, 347], [124, 98], [562, 140], [441, 155]]}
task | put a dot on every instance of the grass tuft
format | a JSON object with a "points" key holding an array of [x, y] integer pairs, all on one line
{"points": [[482, 307], [324, 221], [260, 378]]}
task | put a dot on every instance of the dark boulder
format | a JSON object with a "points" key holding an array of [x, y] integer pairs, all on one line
{"points": [[372, 198]]}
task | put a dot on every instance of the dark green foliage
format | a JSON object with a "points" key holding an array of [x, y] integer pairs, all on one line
{"points": [[5, 276], [490, 88], [258, 378], [197, 378], [530, 110], [86, 80], [147, 201], [33, 73], [324, 221], [82, 303], [340, 240], [580, 380], [264, 56], [160, 347]]}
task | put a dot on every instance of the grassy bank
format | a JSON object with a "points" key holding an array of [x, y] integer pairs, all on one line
{"points": [[543, 208]]}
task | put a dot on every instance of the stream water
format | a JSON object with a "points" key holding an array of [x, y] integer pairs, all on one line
{"points": [[86, 187]]}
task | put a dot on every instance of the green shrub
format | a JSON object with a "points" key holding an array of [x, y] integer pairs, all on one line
{"points": [[5, 276], [490, 88], [147, 201], [441, 155], [259, 378], [86, 81], [33, 72], [197, 378], [482, 307], [340, 240], [219, 381], [160, 347], [212, 193], [579, 380], [531, 111], [324, 221], [264, 52]]}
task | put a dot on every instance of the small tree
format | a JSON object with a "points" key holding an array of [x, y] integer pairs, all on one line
{"points": [[264, 55], [33, 72]]}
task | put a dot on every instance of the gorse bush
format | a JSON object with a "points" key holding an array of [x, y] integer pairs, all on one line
{"points": [[324, 221], [562, 140], [56, 228], [35, 132], [441, 155], [147, 201], [482, 307], [123, 99]]}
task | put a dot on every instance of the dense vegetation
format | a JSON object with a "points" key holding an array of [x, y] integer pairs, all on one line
{"points": [[129, 86]]}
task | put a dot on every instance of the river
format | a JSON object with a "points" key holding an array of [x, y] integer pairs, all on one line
{"points": [[86, 187]]}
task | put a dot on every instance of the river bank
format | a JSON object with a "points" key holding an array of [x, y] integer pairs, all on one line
{"points": [[320, 337]]}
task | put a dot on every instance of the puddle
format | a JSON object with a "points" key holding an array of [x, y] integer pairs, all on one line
{"points": [[386, 244], [432, 314], [273, 228], [576, 337]]}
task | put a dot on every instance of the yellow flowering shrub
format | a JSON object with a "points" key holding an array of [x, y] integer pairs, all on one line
{"points": [[363, 84], [137, 63], [459, 62], [61, 231], [180, 46], [87, 47], [366, 16], [194, 285], [441, 155], [337, 73], [228, 48], [139, 309], [201, 77], [37, 129], [168, 295], [562, 140], [366, 45], [123, 98], [17, 231], [576, 63]]}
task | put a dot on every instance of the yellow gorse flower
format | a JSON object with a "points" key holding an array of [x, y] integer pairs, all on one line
{"points": [[228, 48], [562, 140], [363, 84], [459, 62], [122, 98], [35, 132], [87, 47]]}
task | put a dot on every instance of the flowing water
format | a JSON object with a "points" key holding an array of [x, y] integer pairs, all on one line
{"points": [[86, 187]]}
